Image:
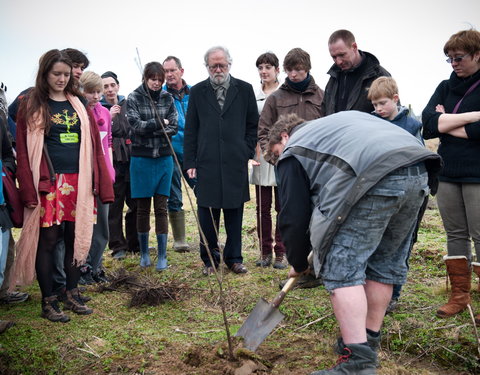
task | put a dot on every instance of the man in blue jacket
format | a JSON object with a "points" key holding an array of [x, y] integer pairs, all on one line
{"points": [[176, 85]]}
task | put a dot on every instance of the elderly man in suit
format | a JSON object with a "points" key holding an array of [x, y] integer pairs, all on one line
{"points": [[220, 138]]}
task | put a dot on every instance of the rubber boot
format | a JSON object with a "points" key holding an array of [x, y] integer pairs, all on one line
{"points": [[460, 274], [355, 359], [144, 251], [162, 262], [177, 222]]}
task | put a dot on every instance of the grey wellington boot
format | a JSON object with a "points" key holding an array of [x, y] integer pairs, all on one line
{"points": [[356, 359], [177, 222]]}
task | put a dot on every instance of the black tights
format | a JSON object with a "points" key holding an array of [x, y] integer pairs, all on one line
{"points": [[44, 262], [143, 214]]}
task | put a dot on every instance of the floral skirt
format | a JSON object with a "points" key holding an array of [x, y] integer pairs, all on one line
{"points": [[60, 203]]}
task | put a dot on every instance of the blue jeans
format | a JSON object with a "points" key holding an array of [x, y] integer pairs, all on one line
{"points": [[374, 241], [4, 238], [175, 201]]}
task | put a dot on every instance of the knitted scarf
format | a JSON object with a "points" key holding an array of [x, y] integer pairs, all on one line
{"points": [[26, 247]]}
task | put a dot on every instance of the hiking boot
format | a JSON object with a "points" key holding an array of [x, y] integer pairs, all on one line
{"points": [[264, 261], [14, 297], [373, 342], [304, 282], [74, 302], [355, 359], [51, 310], [62, 296], [279, 264]]}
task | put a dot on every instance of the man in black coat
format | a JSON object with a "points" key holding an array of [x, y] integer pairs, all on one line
{"points": [[351, 75], [220, 138]]}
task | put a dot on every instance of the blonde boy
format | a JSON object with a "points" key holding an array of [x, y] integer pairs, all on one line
{"points": [[383, 94]]}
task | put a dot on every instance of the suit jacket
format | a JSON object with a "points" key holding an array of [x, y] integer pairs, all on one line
{"points": [[219, 142]]}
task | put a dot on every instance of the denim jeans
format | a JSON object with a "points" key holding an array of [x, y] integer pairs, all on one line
{"points": [[175, 201], [4, 238], [374, 241]]}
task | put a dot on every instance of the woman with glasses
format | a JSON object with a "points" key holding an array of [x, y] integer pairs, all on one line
{"points": [[453, 115]]}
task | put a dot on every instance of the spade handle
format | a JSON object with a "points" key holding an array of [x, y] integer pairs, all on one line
{"points": [[288, 286]]}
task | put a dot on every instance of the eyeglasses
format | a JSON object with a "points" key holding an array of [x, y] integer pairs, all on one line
{"points": [[213, 68], [456, 59]]}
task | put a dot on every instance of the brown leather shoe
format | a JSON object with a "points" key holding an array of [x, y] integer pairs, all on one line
{"points": [[238, 268]]}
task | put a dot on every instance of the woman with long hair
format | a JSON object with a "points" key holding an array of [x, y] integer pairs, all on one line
{"points": [[61, 168]]}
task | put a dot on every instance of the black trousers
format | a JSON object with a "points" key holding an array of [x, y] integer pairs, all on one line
{"points": [[233, 218], [118, 241]]}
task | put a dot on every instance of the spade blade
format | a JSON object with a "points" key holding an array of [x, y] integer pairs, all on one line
{"points": [[261, 321]]}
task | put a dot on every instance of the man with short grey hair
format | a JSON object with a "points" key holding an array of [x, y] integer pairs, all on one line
{"points": [[220, 138]]}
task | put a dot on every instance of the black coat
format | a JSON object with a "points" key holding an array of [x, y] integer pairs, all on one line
{"points": [[219, 143]]}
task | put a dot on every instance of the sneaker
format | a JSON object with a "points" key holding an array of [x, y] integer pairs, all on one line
{"points": [[264, 261], [14, 297], [279, 264], [304, 282], [5, 324], [119, 255], [51, 310], [355, 359], [75, 303]]}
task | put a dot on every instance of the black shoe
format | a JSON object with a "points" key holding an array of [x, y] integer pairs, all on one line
{"points": [[304, 282], [86, 279], [100, 277]]}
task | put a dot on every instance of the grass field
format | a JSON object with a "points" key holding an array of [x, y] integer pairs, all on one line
{"points": [[188, 335]]}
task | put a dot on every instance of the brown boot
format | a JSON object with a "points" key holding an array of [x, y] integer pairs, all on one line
{"points": [[51, 310], [459, 273], [75, 303]]}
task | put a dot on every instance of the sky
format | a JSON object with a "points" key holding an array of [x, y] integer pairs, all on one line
{"points": [[406, 36]]}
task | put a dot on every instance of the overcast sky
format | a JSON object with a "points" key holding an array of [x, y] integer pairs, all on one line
{"points": [[406, 36]]}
